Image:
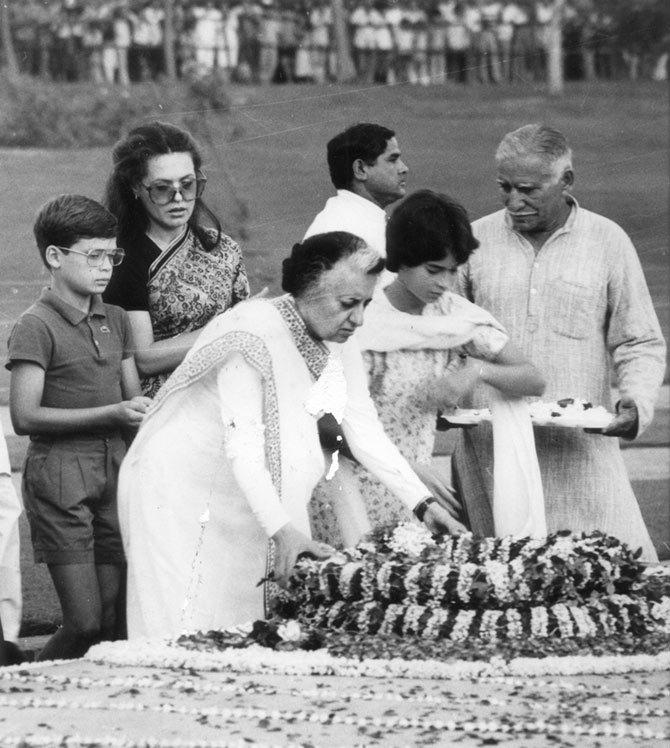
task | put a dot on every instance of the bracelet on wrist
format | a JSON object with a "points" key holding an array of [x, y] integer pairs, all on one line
{"points": [[422, 507]]}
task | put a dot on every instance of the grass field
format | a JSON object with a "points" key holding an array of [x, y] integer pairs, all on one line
{"points": [[274, 173], [275, 169]]}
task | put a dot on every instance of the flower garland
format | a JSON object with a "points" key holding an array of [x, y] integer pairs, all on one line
{"points": [[50, 739], [323, 717], [406, 564], [402, 581], [620, 614], [259, 660], [366, 693]]}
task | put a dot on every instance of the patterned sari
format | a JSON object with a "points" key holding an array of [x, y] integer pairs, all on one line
{"points": [[188, 286]]}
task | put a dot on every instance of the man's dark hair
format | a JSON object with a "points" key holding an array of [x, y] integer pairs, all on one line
{"points": [[313, 256], [66, 219], [428, 226], [365, 141]]}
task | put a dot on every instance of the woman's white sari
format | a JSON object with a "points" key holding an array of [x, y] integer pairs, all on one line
{"points": [[230, 453], [227, 455]]}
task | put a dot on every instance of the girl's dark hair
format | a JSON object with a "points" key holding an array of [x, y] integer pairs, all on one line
{"points": [[130, 157], [312, 257], [428, 226]]}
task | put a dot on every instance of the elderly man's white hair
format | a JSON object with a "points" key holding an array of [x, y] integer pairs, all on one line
{"points": [[542, 141]]}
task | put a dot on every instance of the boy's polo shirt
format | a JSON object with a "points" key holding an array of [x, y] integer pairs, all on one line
{"points": [[80, 353]]}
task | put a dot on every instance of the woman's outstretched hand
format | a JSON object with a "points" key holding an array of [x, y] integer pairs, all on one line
{"points": [[435, 482], [289, 544], [438, 520]]}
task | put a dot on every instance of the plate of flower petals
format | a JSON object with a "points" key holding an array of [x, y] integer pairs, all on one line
{"points": [[465, 416], [570, 412]]}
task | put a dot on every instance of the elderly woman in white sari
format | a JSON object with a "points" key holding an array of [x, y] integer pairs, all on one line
{"points": [[425, 348], [229, 454]]}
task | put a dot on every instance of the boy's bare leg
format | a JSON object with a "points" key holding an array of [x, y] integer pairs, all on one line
{"points": [[110, 582], [78, 590], [10, 654], [121, 625]]}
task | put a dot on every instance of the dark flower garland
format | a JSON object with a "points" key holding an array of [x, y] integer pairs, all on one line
{"points": [[357, 646], [401, 593], [401, 582], [476, 573], [620, 614]]}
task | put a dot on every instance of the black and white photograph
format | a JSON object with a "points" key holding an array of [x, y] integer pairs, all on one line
{"points": [[334, 405]]}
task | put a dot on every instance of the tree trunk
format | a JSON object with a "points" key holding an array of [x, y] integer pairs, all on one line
{"points": [[7, 41], [345, 65], [169, 41], [555, 52]]}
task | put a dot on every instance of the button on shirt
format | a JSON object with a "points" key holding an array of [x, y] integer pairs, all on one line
{"points": [[81, 353]]}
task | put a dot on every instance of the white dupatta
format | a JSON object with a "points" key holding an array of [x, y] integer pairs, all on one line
{"points": [[518, 500]]}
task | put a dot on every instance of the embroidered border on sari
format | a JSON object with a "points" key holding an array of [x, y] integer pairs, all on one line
{"points": [[198, 363], [256, 354], [314, 353], [165, 257]]}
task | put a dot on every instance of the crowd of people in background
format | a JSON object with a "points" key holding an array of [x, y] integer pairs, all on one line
{"points": [[392, 41]]}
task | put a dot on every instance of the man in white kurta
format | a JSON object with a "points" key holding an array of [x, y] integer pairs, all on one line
{"points": [[568, 286], [368, 172], [349, 211]]}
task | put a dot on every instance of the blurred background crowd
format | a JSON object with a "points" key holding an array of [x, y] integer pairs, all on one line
{"points": [[404, 41]]}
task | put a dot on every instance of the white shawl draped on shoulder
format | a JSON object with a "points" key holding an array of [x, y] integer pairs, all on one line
{"points": [[518, 501], [227, 455]]}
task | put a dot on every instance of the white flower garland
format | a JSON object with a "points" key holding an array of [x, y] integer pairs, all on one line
{"points": [[466, 575], [410, 624], [562, 614], [412, 588], [17, 675], [539, 621], [391, 616], [425, 621], [256, 659], [439, 581], [324, 717], [488, 630], [410, 538], [461, 629], [482, 573], [347, 574]]}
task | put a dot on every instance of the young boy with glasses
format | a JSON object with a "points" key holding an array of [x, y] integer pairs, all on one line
{"points": [[75, 390]]}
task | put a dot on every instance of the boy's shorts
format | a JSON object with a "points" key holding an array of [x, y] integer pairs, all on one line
{"points": [[69, 494]]}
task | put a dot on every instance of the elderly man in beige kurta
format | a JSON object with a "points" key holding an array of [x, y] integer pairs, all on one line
{"points": [[568, 286]]}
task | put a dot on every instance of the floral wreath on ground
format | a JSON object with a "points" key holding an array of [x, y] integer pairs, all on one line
{"points": [[403, 593]]}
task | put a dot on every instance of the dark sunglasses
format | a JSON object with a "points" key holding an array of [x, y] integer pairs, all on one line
{"points": [[163, 192]]}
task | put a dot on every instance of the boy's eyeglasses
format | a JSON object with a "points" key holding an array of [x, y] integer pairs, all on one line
{"points": [[95, 257], [163, 192]]}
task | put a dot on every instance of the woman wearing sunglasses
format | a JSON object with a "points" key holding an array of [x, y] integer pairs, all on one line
{"points": [[180, 269]]}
